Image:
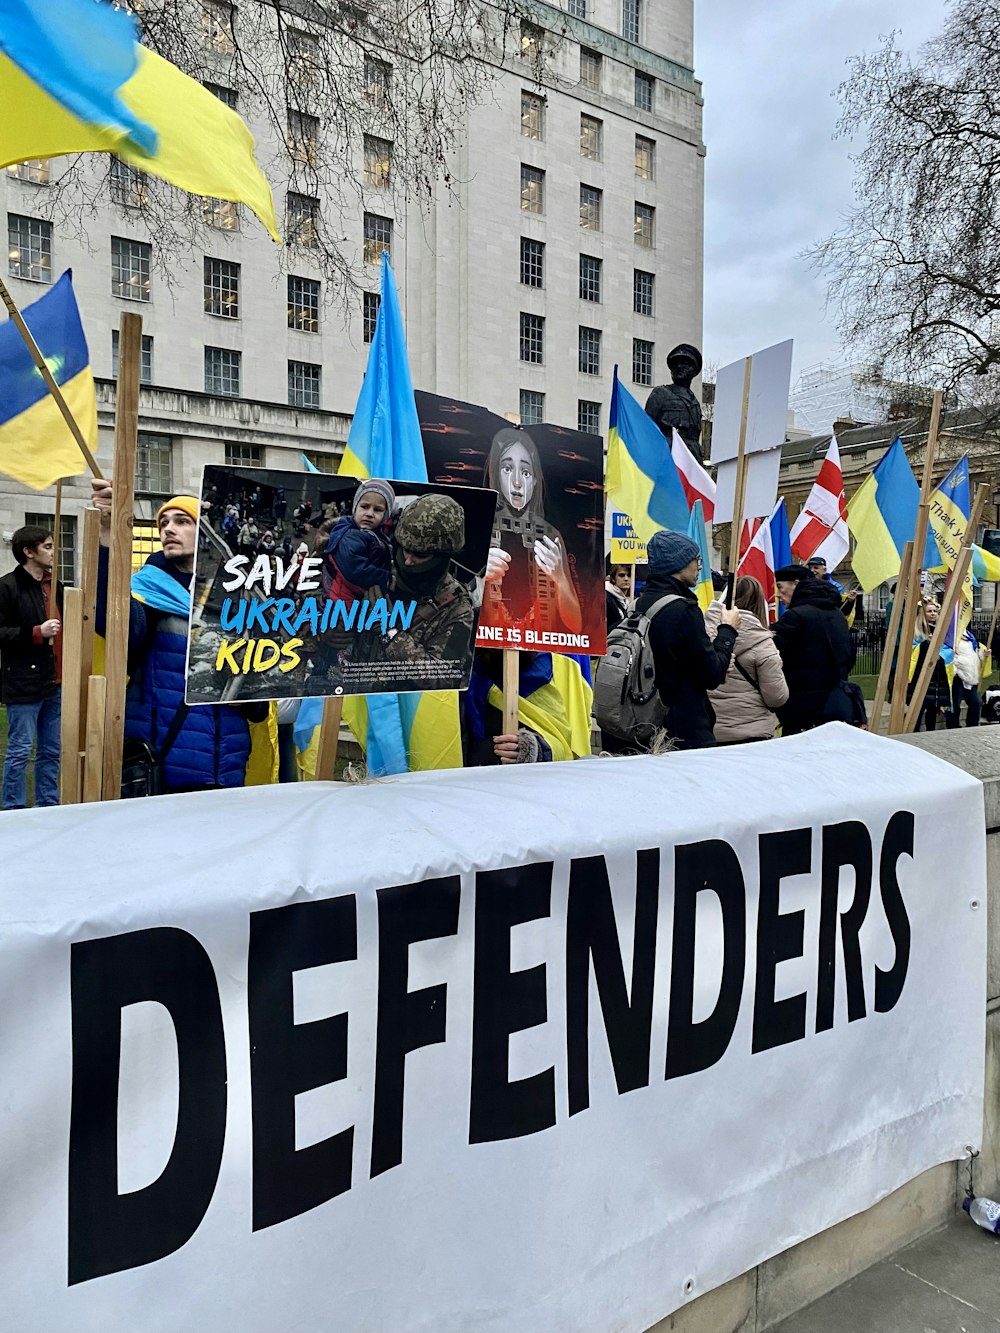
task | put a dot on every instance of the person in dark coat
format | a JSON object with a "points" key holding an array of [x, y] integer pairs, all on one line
{"points": [[616, 595], [815, 644], [688, 664]]}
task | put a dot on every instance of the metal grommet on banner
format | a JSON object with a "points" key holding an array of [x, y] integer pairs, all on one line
{"points": [[974, 904], [688, 1286]]}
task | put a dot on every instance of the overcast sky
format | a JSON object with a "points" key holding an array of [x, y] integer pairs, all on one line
{"points": [[776, 180]]}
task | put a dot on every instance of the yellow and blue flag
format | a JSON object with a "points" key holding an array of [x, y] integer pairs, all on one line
{"points": [[554, 699], [642, 477], [36, 446], [74, 79], [882, 515], [948, 518], [704, 589]]}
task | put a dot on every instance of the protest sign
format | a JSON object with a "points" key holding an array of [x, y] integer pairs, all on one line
{"points": [[758, 413], [547, 593], [626, 547], [307, 584], [485, 1052]]}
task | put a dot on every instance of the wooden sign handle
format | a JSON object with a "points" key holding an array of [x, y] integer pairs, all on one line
{"points": [[511, 687]]}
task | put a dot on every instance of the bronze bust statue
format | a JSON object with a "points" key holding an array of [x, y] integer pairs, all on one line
{"points": [[674, 406]]}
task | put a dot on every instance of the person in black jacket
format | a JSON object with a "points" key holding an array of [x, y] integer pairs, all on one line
{"points": [[815, 644], [30, 662], [687, 663]]}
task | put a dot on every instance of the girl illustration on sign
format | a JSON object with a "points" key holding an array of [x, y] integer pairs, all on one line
{"points": [[529, 583]]}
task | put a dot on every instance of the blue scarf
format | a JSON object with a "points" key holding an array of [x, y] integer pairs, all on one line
{"points": [[155, 587]]}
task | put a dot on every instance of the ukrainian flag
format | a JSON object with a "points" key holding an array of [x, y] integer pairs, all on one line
{"points": [[704, 589], [36, 447], [882, 515], [950, 506], [554, 699], [73, 79], [642, 477]]}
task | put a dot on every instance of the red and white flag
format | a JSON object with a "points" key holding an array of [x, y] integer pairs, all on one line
{"points": [[821, 528], [698, 485], [769, 550]]}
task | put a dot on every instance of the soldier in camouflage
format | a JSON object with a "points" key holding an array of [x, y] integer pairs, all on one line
{"points": [[430, 530]]}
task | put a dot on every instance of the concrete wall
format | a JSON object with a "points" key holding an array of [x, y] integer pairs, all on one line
{"points": [[775, 1289]]}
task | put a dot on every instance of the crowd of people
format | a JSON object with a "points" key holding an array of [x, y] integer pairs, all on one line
{"points": [[726, 676]]}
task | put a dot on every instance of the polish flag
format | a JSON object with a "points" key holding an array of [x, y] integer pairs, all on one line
{"points": [[698, 485], [821, 528], [769, 550]]}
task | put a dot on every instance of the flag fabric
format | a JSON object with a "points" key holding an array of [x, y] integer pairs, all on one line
{"points": [[950, 506], [554, 699], [56, 97], [882, 515], [821, 528], [36, 446], [310, 467], [704, 589], [985, 566], [642, 477], [698, 485], [770, 549]]}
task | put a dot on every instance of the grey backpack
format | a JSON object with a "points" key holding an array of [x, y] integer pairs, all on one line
{"points": [[626, 704]]}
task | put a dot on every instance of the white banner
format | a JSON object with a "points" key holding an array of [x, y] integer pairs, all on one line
{"points": [[546, 1048]]}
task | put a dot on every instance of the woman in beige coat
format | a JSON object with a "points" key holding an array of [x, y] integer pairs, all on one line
{"points": [[743, 703]]}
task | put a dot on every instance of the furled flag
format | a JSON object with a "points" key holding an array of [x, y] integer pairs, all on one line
{"points": [[770, 549], [704, 589], [554, 699], [73, 79], [642, 477], [399, 732], [698, 485], [882, 515], [948, 517], [36, 445], [821, 528]]}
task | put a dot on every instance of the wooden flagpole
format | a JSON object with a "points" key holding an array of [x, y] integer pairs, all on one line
{"points": [[511, 689], [93, 763], [46, 374], [54, 581], [891, 640], [120, 552], [952, 594], [88, 589], [69, 755], [897, 712], [740, 491], [329, 738]]}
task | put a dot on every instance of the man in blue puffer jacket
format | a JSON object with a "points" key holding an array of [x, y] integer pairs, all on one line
{"points": [[213, 744]]}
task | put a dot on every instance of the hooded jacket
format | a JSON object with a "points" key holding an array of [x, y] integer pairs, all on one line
{"points": [[743, 712], [687, 663], [27, 661], [817, 653]]}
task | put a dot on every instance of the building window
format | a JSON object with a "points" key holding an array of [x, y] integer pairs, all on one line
{"points": [[377, 76], [302, 220], [224, 94], [303, 384], [588, 416], [578, 8], [29, 248], [304, 60], [244, 455], [642, 361], [129, 187], [303, 304], [644, 88], [645, 217], [130, 263], [532, 189], [631, 15], [532, 262], [35, 172], [327, 463], [590, 278], [590, 351], [67, 541], [378, 161], [303, 138], [591, 133], [643, 289], [532, 407], [370, 303], [223, 214], [645, 158], [590, 208], [378, 237], [532, 339], [217, 27], [590, 69], [222, 373], [531, 40], [154, 471], [532, 116], [222, 288], [145, 358]]}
